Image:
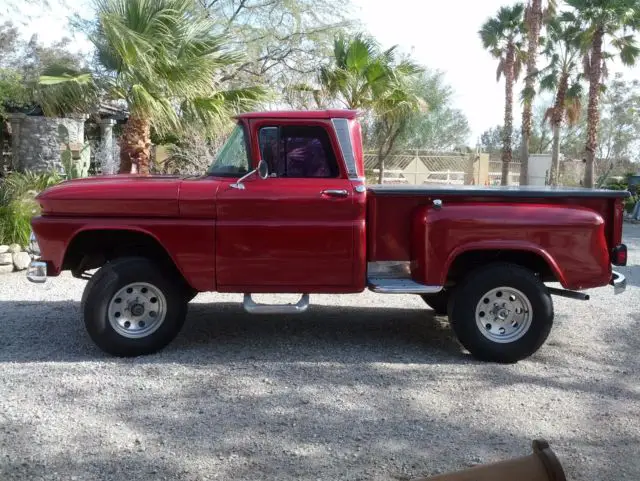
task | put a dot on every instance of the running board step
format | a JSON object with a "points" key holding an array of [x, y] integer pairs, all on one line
{"points": [[400, 286], [253, 307]]}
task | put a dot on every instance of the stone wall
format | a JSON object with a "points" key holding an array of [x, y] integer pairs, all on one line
{"points": [[36, 141]]}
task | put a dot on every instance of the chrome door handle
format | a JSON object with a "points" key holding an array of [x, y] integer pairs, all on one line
{"points": [[335, 193]]}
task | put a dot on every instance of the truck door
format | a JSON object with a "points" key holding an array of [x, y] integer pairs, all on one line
{"points": [[294, 231]]}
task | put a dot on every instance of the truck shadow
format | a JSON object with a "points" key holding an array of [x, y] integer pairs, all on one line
{"points": [[223, 332]]}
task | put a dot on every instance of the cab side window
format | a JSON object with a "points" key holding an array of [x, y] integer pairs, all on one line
{"points": [[298, 152]]}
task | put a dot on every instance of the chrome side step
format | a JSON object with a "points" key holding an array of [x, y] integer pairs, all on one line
{"points": [[253, 307], [400, 285]]}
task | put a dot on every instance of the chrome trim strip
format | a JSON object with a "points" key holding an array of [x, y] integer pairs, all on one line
{"points": [[619, 282], [341, 126], [400, 286], [253, 307]]}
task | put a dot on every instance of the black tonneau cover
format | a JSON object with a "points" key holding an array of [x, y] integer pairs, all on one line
{"points": [[529, 191]]}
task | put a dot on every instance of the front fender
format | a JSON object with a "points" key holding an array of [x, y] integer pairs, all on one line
{"points": [[571, 240], [189, 243]]}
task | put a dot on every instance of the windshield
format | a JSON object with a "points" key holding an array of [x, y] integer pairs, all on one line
{"points": [[232, 160]]}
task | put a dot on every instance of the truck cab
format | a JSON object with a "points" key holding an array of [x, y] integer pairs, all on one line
{"points": [[309, 210], [284, 208]]}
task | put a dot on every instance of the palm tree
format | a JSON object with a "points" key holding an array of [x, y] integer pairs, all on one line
{"points": [[363, 77], [394, 107], [562, 76], [603, 23], [534, 16], [161, 60], [359, 72], [502, 35]]}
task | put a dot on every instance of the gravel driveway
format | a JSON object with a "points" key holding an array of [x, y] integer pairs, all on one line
{"points": [[362, 387]]}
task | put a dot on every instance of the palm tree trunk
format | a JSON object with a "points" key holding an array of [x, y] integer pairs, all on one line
{"points": [[593, 111], [555, 155], [557, 118], [135, 149], [534, 23], [508, 116], [389, 143], [380, 164]]}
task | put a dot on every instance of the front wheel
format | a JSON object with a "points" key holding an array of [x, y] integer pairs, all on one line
{"points": [[502, 313], [132, 307]]}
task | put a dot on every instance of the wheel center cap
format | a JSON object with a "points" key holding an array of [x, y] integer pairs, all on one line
{"points": [[137, 309], [503, 314]]}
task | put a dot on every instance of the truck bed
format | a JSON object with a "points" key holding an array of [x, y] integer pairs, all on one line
{"points": [[391, 209]]}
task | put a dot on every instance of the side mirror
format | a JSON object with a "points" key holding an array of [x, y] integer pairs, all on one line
{"points": [[263, 169]]}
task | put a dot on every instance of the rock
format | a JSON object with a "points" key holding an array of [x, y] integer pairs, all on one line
{"points": [[4, 249], [6, 269], [21, 260], [13, 248], [6, 259]]}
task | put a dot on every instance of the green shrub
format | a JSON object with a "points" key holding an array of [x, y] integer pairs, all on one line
{"points": [[17, 204]]}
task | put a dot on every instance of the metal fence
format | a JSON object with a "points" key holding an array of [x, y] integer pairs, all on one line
{"points": [[417, 167], [495, 172], [421, 167]]}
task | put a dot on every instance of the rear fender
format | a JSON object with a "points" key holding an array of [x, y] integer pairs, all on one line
{"points": [[571, 240]]}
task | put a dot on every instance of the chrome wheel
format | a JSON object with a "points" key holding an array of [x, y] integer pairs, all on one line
{"points": [[137, 310], [503, 314]]}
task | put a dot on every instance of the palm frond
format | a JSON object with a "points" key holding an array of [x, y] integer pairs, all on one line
{"points": [[549, 82], [528, 94], [359, 53], [61, 90], [629, 50], [550, 11]]}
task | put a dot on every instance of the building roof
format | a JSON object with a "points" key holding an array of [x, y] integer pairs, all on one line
{"points": [[301, 114]]}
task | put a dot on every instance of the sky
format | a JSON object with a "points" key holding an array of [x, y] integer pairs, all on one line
{"points": [[441, 35]]}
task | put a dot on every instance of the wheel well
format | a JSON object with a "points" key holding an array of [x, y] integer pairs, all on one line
{"points": [[471, 260], [92, 249]]}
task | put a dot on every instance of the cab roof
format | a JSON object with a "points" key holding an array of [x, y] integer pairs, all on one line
{"points": [[301, 114]]}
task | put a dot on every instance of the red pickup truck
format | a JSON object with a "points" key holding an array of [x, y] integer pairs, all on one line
{"points": [[284, 208]]}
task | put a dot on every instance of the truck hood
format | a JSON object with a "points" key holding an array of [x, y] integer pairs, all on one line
{"points": [[113, 195]]}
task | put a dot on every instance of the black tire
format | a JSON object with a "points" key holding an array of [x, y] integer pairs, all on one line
{"points": [[438, 302], [114, 276], [190, 293], [472, 291]]}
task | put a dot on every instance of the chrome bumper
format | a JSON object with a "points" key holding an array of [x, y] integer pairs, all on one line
{"points": [[619, 282], [37, 272]]}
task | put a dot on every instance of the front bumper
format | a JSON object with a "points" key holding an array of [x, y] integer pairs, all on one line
{"points": [[37, 272], [619, 282]]}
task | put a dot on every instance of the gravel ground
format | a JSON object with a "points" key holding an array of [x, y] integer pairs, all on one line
{"points": [[361, 387]]}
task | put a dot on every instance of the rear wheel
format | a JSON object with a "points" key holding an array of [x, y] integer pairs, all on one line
{"points": [[438, 302], [132, 307], [502, 313]]}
